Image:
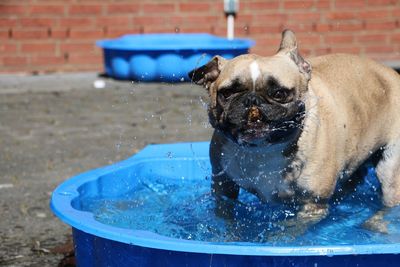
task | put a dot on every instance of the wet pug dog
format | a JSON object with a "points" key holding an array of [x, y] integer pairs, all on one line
{"points": [[287, 128]]}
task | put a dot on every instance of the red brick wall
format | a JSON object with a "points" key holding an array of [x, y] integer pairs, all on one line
{"points": [[59, 35]]}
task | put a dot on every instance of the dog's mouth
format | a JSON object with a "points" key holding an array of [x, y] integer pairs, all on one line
{"points": [[254, 133], [261, 133]]}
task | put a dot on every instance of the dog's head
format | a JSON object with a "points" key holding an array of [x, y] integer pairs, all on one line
{"points": [[256, 100]]}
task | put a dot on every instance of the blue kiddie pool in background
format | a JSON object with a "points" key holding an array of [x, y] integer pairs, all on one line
{"points": [[165, 57], [156, 209]]}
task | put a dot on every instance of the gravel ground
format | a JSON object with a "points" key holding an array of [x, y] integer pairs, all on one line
{"points": [[55, 126]]}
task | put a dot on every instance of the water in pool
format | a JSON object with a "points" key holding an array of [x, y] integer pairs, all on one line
{"points": [[184, 209]]}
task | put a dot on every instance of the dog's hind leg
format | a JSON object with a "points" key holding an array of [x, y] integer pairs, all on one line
{"points": [[376, 222], [388, 172]]}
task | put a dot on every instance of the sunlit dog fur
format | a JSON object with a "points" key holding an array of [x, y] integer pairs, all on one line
{"points": [[287, 128]]}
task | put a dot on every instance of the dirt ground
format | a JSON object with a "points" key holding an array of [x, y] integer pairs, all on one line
{"points": [[55, 126]]}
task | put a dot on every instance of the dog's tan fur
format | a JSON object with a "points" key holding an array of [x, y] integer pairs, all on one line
{"points": [[353, 109]]}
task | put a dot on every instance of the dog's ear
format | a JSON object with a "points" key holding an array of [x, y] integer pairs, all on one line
{"points": [[207, 74], [288, 46]]}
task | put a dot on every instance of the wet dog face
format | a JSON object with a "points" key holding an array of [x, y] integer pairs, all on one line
{"points": [[256, 100]]}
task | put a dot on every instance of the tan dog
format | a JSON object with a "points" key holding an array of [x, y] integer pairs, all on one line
{"points": [[287, 128]]}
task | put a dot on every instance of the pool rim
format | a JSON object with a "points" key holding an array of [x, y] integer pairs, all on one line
{"points": [[61, 205], [181, 43]]}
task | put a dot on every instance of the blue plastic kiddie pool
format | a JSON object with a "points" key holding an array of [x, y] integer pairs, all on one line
{"points": [[165, 57], [155, 209]]}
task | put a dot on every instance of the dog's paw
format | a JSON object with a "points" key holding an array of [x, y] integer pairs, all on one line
{"points": [[313, 212], [290, 229], [377, 223]]}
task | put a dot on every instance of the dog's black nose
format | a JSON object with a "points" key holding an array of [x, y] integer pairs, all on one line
{"points": [[252, 100]]}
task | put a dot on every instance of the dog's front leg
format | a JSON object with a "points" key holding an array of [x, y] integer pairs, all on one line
{"points": [[311, 207], [223, 188], [225, 192]]}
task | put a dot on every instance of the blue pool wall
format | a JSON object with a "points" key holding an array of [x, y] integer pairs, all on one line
{"points": [[165, 57], [95, 251]]}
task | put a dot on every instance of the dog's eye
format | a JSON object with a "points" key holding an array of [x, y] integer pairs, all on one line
{"points": [[227, 93], [280, 95]]}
